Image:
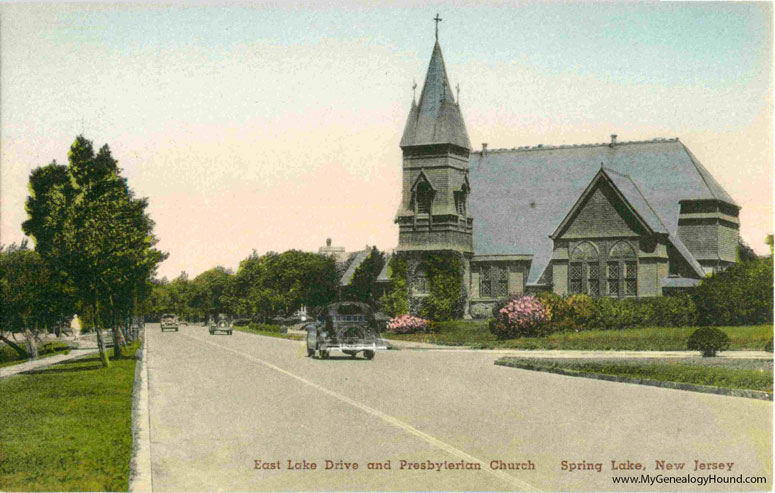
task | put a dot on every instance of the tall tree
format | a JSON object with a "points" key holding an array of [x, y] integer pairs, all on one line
{"points": [[95, 231]]}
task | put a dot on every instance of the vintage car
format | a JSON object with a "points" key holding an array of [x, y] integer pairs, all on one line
{"points": [[169, 322], [222, 324], [345, 326]]}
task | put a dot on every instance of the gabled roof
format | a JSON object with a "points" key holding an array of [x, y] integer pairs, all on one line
{"points": [[519, 196], [436, 119], [628, 192]]}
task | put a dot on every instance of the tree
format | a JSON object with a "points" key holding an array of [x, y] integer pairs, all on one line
{"points": [[745, 252], [31, 299], [363, 284], [212, 285], [87, 223]]}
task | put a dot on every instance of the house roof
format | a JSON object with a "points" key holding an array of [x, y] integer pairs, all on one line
{"points": [[519, 196], [436, 119], [384, 274], [358, 258]]}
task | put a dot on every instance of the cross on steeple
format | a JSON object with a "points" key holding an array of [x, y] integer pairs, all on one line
{"points": [[437, 19]]}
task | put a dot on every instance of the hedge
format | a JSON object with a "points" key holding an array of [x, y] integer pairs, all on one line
{"points": [[740, 295], [581, 312]]}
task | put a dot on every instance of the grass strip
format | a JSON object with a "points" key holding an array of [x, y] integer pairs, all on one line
{"points": [[68, 427], [713, 376], [9, 356], [279, 335], [476, 334]]}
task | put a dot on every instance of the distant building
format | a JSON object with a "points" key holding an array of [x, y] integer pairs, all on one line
{"points": [[617, 219]]}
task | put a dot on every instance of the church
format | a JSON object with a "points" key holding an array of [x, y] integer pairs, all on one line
{"points": [[616, 219]]}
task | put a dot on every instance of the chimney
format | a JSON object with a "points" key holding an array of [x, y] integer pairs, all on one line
{"points": [[613, 140], [484, 148]]}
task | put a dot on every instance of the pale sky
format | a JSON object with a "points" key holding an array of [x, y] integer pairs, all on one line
{"points": [[273, 128]]}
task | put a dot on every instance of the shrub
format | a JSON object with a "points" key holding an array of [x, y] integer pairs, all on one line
{"points": [[768, 346], [446, 298], [740, 295], [266, 327], [394, 302], [612, 314], [708, 340], [407, 324], [522, 316], [667, 311]]}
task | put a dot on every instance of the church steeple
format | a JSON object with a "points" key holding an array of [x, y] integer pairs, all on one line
{"points": [[433, 214], [436, 119]]}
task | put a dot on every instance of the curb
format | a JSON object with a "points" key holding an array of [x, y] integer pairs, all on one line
{"points": [[705, 389], [140, 476]]}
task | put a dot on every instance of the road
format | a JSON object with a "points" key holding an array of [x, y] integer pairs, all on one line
{"points": [[220, 403]]}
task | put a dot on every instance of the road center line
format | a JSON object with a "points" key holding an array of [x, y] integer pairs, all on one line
{"points": [[521, 485]]}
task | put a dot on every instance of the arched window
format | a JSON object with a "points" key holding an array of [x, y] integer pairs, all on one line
{"points": [[423, 198], [622, 270], [421, 280], [584, 271]]}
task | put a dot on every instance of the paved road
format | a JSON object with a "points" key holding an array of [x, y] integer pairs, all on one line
{"points": [[220, 403]]}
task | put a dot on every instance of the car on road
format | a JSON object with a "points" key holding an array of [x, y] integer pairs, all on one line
{"points": [[222, 324], [349, 327], [169, 322]]}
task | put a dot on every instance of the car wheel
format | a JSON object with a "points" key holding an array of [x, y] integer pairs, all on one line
{"points": [[368, 354], [323, 354]]}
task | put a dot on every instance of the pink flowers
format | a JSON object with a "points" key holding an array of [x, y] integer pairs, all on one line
{"points": [[522, 316], [407, 324]]}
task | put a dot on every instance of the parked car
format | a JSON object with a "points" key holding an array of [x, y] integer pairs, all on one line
{"points": [[222, 324], [347, 326], [169, 322]]}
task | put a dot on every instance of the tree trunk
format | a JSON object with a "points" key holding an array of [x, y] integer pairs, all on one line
{"points": [[100, 340], [24, 354], [32, 347]]}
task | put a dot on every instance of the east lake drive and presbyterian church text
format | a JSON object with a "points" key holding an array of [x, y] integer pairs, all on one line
{"points": [[400, 465]]}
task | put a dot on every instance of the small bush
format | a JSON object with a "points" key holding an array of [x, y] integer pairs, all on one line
{"points": [[522, 316], [407, 324], [768, 346], [708, 340]]}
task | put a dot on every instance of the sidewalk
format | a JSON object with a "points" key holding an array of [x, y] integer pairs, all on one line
{"points": [[40, 363]]}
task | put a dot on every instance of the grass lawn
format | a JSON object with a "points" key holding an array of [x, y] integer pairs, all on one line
{"points": [[68, 427], [279, 335], [9, 356], [475, 333], [757, 376]]}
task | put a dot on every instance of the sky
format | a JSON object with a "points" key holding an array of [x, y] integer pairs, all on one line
{"points": [[269, 127]]}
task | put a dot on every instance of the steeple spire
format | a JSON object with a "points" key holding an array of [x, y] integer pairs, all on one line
{"points": [[436, 119]]}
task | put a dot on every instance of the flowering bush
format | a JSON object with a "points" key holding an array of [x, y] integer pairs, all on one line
{"points": [[407, 324], [523, 316]]}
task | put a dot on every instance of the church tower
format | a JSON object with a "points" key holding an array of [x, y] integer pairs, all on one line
{"points": [[435, 229], [433, 215]]}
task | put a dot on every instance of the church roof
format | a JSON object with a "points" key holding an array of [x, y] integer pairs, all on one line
{"points": [[436, 119], [520, 196]]}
